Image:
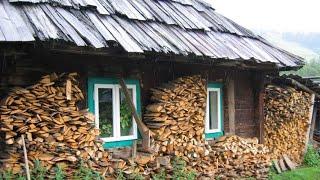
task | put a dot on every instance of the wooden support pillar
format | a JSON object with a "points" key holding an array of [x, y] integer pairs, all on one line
{"points": [[261, 115], [310, 121], [259, 84], [231, 106], [313, 122]]}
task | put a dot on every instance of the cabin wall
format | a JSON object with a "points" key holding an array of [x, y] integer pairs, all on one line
{"points": [[27, 70], [246, 125]]}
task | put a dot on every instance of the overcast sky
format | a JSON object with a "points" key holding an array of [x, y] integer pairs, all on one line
{"points": [[278, 15]]}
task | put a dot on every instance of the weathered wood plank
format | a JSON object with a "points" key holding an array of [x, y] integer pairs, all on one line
{"points": [[120, 35], [81, 28], [68, 31], [16, 18], [7, 27]]}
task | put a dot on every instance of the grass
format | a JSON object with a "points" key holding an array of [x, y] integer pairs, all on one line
{"points": [[306, 173]]}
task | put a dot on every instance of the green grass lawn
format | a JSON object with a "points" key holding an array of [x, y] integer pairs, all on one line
{"points": [[312, 173]]}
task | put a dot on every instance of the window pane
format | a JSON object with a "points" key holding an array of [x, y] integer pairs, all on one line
{"points": [[213, 110], [126, 120], [105, 112]]}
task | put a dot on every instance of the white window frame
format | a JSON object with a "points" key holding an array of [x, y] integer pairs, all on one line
{"points": [[116, 111], [207, 123]]}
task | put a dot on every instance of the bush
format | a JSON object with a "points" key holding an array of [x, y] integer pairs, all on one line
{"points": [[84, 173], [6, 175], [160, 176], [59, 174], [38, 172], [180, 172], [312, 157], [120, 175]]}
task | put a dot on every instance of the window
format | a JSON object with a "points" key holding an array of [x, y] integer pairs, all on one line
{"points": [[213, 123], [112, 113]]}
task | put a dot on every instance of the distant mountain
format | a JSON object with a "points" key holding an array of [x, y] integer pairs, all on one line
{"points": [[308, 40], [306, 45]]}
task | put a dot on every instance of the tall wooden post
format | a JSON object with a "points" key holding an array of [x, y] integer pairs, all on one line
{"points": [[311, 110], [231, 106], [259, 84]]}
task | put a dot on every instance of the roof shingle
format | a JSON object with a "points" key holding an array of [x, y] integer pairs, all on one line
{"points": [[165, 26]]}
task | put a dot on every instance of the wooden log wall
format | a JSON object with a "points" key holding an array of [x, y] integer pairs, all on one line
{"points": [[27, 69], [246, 125]]}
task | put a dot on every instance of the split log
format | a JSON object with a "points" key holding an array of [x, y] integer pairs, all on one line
{"points": [[236, 157], [56, 131], [287, 112], [176, 117]]}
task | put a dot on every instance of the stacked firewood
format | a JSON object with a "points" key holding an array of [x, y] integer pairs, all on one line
{"points": [[286, 121], [177, 118], [56, 131], [236, 157]]}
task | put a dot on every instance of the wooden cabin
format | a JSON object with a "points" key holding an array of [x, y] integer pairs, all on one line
{"points": [[147, 43]]}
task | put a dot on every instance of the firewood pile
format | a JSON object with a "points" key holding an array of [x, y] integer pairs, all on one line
{"points": [[286, 121], [177, 119], [235, 157], [56, 131]]}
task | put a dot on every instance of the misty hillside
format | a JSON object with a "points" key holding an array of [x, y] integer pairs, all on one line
{"points": [[306, 45], [308, 40]]}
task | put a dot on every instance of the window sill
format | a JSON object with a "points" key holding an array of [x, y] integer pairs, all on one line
{"points": [[118, 144], [117, 139], [209, 136]]}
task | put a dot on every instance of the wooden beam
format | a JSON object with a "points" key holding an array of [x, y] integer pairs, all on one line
{"points": [[309, 121], [261, 115], [313, 122], [301, 86], [144, 130], [259, 93], [231, 106]]}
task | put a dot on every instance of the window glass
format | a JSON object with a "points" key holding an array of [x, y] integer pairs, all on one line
{"points": [[105, 112], [126, 121], [213, 110]]}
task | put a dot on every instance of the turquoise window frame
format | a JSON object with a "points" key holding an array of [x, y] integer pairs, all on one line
{"points": [[113, 81], [209, 136]]}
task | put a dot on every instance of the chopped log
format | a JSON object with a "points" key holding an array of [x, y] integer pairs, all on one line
{"points": [[68, 89], [282, 165], [176, 117], [287, 113], [291, 165], [164, 161], [56, 130], [276, 166], [241, 156]]}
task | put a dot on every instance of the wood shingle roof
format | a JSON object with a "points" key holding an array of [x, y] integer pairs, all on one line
{"points": [[180, 27]]}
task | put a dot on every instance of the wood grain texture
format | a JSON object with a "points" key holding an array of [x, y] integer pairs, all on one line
{"points": [[138, 26]]}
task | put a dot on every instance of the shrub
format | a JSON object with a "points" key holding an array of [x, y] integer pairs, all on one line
{"points": [[160, 176], [120, 175], [136, 176], [6, 175], [180, 172], [312, 157], [38, 172], [84, 173], [59, 174]]}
